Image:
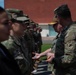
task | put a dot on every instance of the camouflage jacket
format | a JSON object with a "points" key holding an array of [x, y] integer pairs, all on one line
{"points": [[28, 37], [65, 52], [16, 48]]}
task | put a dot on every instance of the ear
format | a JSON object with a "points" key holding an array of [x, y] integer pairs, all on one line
{"points": [[61, 28]]}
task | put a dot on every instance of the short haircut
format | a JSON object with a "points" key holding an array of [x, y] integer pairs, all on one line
{"points": [[63, 11]]}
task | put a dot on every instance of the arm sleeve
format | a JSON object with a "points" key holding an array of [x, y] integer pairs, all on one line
{"points": [[69, 57]]}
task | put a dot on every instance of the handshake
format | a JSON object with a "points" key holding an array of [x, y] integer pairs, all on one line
{"points": [[49, 55]]}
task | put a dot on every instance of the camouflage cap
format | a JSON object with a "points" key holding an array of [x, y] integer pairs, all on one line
{"points": [[39, 28], [16, 11], [22, 19], [37, 25], [9, 15], [54, 22], [32, 22], [26, 15], [17, 16]]}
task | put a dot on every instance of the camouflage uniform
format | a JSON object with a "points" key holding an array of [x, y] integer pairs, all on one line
{"points": [[27, 54], [16, 45], [39, 41], [51, 65], [65, 52], [30, 45], [16, 49], [29, 40], [35, 36]]}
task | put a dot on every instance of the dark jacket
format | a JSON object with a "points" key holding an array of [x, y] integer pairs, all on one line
{"points": [[8, 66]]}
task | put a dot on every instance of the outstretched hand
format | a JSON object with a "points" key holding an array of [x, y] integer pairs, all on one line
{"points": [[37, 56], [50, 57]]}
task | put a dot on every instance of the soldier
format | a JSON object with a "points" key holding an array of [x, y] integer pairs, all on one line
{"points": [[35, 36], [39, 29], [28, 39], [58, 28], [15, 42], [8, 65], [64, 58]]}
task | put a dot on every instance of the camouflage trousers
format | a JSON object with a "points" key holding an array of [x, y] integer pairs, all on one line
{"points": [[51, 68]]}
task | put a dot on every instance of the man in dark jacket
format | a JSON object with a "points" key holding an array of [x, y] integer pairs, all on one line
{"points": [[8, 65]]}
